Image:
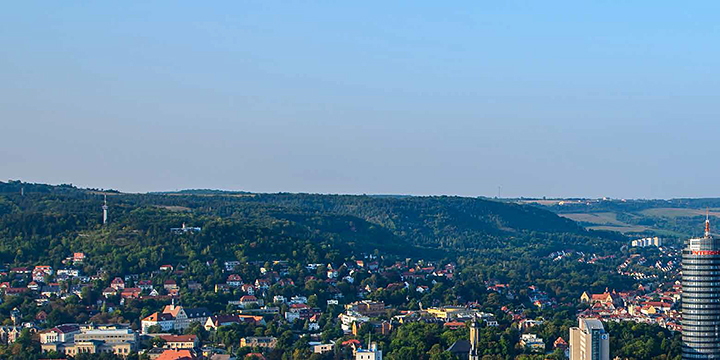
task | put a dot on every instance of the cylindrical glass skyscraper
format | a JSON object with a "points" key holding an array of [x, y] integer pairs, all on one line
{"points": [[701, 297]]}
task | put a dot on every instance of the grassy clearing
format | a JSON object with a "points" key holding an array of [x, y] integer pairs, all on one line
{"points": [[604, 218], [678, 212]]}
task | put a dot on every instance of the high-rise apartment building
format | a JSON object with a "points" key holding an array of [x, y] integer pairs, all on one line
{"points": [[589, 341], [701, 297]]}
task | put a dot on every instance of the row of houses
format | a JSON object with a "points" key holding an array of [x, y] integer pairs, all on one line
{"points": [[655, 306]]}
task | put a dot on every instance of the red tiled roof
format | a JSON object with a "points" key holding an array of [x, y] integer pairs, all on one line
{"points": [[156, 316], [66, 328], [454, 324], [172, 310], [176, 355], [179, 338]]}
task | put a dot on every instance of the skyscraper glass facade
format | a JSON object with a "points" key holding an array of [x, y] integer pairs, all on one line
{"points": [[701, 298]]}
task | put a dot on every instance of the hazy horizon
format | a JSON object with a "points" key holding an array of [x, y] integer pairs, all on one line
{"points": [[105, 189], [543, 99]]}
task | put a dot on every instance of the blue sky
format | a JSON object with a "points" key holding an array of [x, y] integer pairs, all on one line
{"points": [[542, 98]]}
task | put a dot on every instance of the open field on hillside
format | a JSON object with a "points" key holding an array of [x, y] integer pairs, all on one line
{"points": [[603, 218], [629, 229], [605, 221], [678, 212]]}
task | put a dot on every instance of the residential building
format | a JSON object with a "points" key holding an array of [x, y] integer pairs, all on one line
{"points": [[179, 342], [247, 301], [216, 321], [367, 308], [68, 273], [131, 293], [170, 285], [8, 334], [234, 280], [532, 342], [648, 241], [145, 285], [165, 321], [248, 289], [175, 317], [108, 292], [267, 342], [40, 271], [117, 284], [320, 348], [349, 318], [166, 267], [301, 312]]}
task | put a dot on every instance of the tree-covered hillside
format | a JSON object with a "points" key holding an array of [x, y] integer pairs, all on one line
{"points": [[499, 240], [402, 225]]}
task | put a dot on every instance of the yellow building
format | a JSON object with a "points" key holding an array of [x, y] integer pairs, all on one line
{"points": [[449, 312]]}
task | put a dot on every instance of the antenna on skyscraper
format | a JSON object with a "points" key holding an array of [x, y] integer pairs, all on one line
{"points": [[707, 222]]}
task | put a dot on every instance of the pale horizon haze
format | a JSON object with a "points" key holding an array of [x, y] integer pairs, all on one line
{"points": [[556, 99]]}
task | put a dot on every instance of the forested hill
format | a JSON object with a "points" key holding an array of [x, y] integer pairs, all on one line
{"points": [[451, 222], [48, 222]]}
